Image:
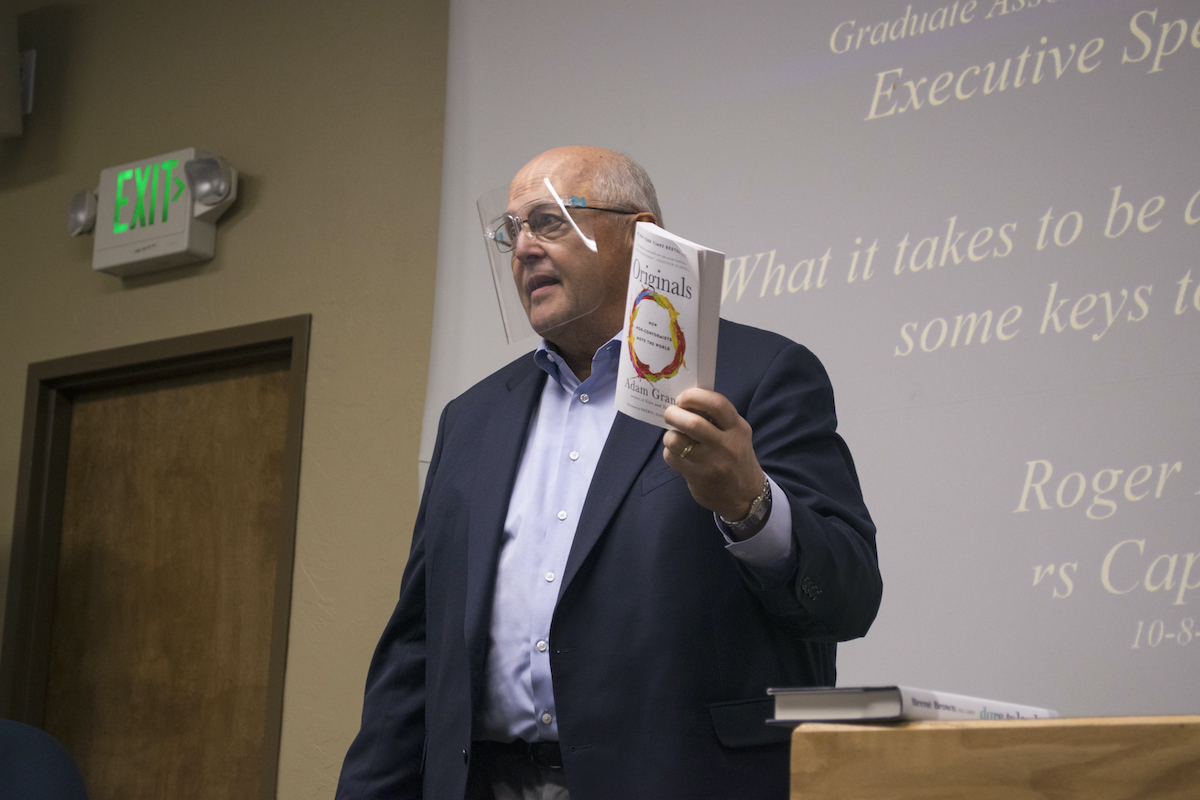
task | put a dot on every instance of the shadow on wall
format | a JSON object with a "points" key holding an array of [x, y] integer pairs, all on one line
{"points": [[37, 153]]}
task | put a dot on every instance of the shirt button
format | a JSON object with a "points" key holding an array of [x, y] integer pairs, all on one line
{"points": [[574, 456], [546, 718], [549, 577], [583, 398], [541, 646], [562, 515]]}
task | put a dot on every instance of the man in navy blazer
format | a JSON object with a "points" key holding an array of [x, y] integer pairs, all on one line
{"points": [[704, 564]]}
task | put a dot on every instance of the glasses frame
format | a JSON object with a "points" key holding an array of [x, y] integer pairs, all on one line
{"points": [[520, 223]]}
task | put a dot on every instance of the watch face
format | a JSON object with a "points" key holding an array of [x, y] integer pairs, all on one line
{"points": [[758, 510]]}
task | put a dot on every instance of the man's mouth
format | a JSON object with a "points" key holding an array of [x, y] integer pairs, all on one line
{"points": [[536, 282]]}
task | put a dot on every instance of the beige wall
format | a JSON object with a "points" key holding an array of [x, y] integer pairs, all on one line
{"points": [[333, 115]]}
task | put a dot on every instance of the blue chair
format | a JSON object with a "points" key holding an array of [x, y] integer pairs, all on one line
{"points": [[34, 766]]}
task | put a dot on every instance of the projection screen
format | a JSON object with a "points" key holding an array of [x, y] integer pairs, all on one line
{"points": [[984, 218]]}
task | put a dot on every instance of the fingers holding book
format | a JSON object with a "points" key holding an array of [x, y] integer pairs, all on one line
{"points": [[710, 444]]}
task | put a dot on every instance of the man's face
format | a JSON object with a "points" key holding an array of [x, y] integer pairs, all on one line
{"points": [[566, 289]]}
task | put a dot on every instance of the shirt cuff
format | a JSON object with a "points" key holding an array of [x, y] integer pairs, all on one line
{"points": [[773, 544]]}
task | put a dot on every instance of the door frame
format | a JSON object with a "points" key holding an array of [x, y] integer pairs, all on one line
{"points": [[50, 389]]}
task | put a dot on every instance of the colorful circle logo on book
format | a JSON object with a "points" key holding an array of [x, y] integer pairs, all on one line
{"points": [[643, 370]]}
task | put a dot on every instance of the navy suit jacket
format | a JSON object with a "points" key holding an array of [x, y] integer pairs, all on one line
{"points": [[662, 644]]}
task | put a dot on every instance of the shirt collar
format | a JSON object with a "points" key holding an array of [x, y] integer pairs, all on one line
{"points": [[604, 363]]}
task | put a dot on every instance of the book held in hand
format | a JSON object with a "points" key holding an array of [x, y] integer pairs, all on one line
{"points": [[879, 703], [671, 319]]}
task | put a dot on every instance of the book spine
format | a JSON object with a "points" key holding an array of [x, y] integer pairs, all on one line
{"points": [[712, 271], [923, 704]]}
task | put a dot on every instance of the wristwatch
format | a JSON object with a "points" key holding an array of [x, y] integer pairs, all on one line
{"points": [[759, 510]]}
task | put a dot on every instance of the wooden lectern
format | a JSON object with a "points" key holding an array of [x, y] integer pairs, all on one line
{"points": [[1052, 759]]}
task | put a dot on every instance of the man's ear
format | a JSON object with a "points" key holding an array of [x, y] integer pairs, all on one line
{"points": [[642, 216]]}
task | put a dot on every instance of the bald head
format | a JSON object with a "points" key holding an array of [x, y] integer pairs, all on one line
{"points": [[604, 177]]}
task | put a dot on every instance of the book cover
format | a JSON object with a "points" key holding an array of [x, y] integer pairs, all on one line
{"points": [[878, 703], [671, 319]]}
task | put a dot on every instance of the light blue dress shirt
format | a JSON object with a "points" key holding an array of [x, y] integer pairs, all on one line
{"points": [[566, 434]]}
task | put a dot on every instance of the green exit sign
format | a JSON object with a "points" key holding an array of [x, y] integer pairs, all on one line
{"points": [[146, 218], [145, 182]]}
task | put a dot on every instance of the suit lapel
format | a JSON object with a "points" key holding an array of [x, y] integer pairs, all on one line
{"points": [[501, 443], [630, 443]]}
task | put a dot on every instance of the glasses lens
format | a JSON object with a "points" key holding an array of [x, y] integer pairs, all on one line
{"points": [[547, 222], [503, 231]]}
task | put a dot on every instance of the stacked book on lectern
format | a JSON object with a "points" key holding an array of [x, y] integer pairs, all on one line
{"points": [[880, 703]]}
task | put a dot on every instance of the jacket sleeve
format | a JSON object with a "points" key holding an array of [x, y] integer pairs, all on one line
{"points": [[832, 589], [387, 756]]}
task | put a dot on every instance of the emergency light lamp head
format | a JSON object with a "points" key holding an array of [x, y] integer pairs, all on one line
{"points": [[81, 213]]}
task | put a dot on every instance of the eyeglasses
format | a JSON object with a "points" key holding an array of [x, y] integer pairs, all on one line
{"points": [[545, 220]]}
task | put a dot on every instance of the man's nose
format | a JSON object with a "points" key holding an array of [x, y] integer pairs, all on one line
{"points": [[527, 245]]}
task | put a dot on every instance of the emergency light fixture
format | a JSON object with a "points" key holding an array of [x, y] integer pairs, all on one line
{"points": [[155, 213]]}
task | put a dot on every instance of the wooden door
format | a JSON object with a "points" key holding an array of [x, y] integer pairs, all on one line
{"points": [[162, 670]]}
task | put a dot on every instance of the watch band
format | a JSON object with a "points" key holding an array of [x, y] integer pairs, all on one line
{"points": [[759, 509]]}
